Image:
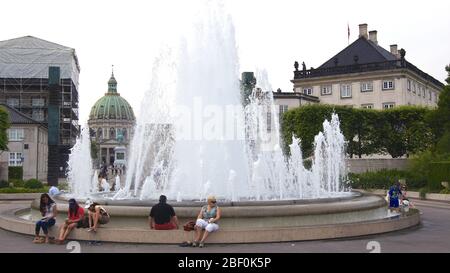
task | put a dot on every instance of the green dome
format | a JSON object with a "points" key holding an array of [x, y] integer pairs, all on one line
{"points": [[112, 105]]}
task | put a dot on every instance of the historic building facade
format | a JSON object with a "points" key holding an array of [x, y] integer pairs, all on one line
{"points": [[39, 79], [111, 122], [27, 146], [363, 75]]}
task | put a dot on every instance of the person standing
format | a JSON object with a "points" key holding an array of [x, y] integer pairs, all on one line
{"points": [[162, 216], [394, 195]]}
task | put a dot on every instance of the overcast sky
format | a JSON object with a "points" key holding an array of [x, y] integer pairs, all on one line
{"points": [[271, 35]]}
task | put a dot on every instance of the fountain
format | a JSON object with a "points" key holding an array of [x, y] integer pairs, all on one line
{"points": [[195, 138]]}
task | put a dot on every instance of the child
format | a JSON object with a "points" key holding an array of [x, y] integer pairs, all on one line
{"points": [[394, 195]]}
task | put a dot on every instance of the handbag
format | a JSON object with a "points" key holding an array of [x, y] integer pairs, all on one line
{"points": [[189, 226]]}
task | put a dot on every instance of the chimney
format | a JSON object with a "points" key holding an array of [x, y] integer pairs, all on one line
{"points": [[394, 51], [363, 30], [373, 36]]}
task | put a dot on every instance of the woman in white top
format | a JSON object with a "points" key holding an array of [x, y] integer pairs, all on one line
{"points": [[97, 215], [48, 211]]}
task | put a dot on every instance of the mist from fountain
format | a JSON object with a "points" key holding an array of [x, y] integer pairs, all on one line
{"points": [[194, 138], [79, 171]]}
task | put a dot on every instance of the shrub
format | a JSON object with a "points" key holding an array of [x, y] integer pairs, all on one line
{"points": [[383, 179], [423, 193], [4, 184], [15, 172], [33, 184], [439, 172], [17, 183], [23, 190]]}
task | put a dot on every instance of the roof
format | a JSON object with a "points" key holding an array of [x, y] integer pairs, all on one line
{"points": [[17, 117], [370, 57], [112, 105], [366, 50], [30, 57]]}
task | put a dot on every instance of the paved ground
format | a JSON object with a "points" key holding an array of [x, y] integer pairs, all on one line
{"points": [[433, 235]]}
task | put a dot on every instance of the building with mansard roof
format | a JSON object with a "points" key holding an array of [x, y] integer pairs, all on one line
{"points": [[362, 75]]}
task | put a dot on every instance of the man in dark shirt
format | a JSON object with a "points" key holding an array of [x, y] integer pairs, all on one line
{"points": [[162, 216]]}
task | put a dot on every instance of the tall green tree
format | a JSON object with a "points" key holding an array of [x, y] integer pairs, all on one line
{"points": [[4, 125]]}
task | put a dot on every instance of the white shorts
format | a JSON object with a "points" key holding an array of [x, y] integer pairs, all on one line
{"points": [[210, 227]]}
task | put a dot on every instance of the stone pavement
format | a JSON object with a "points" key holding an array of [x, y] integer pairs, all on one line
{"points": [[433, 235]]}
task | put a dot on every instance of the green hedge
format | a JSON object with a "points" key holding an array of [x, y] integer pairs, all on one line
{"points": [[399, 131], [17, 183], [439, 172], [24, 190], [383, 179], [33, 184], [4, 184], [15, 172]]}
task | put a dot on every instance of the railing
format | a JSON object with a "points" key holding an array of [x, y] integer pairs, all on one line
{"points": [[356, 68], [359, 68]]}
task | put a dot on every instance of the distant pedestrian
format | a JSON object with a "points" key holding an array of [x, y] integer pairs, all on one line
{"points": [[53, 191], [395, 193]]}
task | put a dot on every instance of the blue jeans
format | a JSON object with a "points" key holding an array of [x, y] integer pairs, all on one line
{"points": [[44, 225]]}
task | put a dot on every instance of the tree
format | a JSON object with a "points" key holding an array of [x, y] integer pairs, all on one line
{"points": [[447, 68], [397, 131], [4, 125], [94, 150]]}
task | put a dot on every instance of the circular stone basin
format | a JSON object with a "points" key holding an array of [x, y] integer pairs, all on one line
{"points": [[354, 207], [242, 222]]}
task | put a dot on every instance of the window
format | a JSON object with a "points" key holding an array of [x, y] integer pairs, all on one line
{"points": [[388, 105], [326, 90], [367, 106], [346, 91], [38, 115], [12, 102], [366, 86], [38, 102], [15, 159], [388, 85], [269, 121], [414, 87], [283, 108], [308, 91], [408, 84], [429, 95], [120, 156], [15, 134], [424, 92]]}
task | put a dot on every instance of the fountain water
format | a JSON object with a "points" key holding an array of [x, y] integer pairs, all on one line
{"points": [[79, 172], [195, 138], [182, 148]]}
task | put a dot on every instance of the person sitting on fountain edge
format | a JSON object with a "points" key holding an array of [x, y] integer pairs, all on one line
{"points": [[207, 220], [48, 210], [75, 215], [97, 215], [162, 216]]}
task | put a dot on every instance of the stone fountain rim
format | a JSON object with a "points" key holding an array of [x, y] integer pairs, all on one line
{"points": [[197, 203]]}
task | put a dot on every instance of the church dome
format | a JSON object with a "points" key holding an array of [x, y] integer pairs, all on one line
{"points": [[112, 105]]}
